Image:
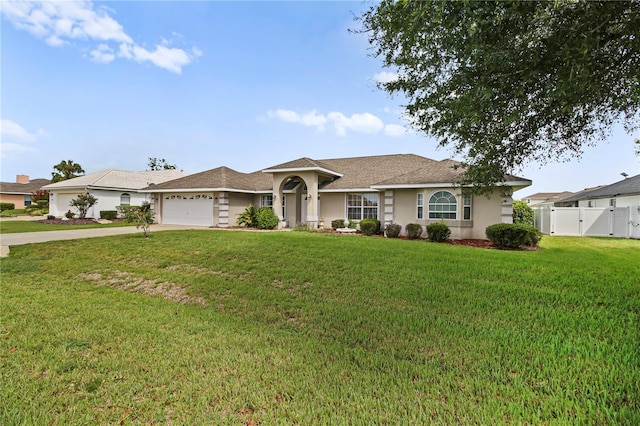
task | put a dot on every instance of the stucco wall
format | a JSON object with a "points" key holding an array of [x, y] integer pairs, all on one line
{"points": [[107, 200], [631, 200], [16, 199], [237, 203], [332, 207]]}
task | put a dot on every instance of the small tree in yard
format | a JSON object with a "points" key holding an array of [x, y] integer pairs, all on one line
{"points": [[83, 203], [142, 216]]}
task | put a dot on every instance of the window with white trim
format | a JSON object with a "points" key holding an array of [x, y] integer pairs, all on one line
{"points": [[443, 205], [612, 202], [362, 206], [284, 206], [420, 213], [125, 199], [266, 201], [466, 207]]}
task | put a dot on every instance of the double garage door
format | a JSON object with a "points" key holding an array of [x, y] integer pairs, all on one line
{"points": [[188, 209]]}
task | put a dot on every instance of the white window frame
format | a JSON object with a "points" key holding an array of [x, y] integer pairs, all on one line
{"points": [[361, 205], [420, 205], [441, 206], [467, 207], [266, 200], [122, 198], [612, 202]]}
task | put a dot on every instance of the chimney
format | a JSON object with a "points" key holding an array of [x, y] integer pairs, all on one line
{"points": [[22, 178]]}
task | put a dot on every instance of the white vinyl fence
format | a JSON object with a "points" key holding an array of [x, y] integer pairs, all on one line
{"points": [[621, 222]]}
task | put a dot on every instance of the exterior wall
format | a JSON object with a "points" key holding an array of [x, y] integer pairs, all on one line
{"points": [[630, 200], [237, 203], [16, 199], [107, 200], [484, 211], [332, 207]]}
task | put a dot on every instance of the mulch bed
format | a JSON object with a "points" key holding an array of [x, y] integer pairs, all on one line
{"points": [[71, 221]]}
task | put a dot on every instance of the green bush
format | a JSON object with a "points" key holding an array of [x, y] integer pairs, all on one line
{"points": [[249, 217], [266, 218], [522, 213], [337, 223], [414, 231], [108, 214], [392, 230], [353, 224], [43, 204], [69, 214], [369, 226], [7, 206], [511, 235], [50, 217], [438, 232]]}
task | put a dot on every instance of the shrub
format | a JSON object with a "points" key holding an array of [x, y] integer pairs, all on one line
{"points": [[50, 217], [69, 214], [249, 217], [36, 212], [7, 206], [392, 230], [522, 213], [141, 215], [414, 231], [511, 235], [353, 224], [123, 210], [369, 226], [83, 203], [337, 223], [266, 218], [108, 214], [43, 204], [438, 232]]}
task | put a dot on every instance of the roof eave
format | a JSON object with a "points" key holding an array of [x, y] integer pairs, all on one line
{"points": [[221, 189], [303, 169]]}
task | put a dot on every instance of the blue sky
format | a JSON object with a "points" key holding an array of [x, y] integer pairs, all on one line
{"points": [[205, 84]]}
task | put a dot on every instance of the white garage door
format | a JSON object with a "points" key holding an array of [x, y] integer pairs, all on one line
{"points": [[188, 209]]}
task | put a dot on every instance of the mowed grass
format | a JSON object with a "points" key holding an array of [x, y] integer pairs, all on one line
{"points": [[217, 327], [19, 226]]}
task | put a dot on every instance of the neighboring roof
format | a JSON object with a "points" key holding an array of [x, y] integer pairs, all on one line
{"points": [[118, 179], [23, 188], [628, 186], [546, 197], [221, 178]]}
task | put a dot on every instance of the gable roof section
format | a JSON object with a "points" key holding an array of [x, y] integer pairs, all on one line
{"points": [[219, 179], [303, 164], [23, 188], [117, 179], [628, 186]]}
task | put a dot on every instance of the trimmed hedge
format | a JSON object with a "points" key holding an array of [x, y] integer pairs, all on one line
{"points": [[7, 206], [337, 223], [510, 235], [392, 230], [438, 232], [369, 226], [414, 231], [108, 214]]}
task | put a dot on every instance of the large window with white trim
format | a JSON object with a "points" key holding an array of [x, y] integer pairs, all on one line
{"points": [[362, 206], [266, 200], [443, 205]]}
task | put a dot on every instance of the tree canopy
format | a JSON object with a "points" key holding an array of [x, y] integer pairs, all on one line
{"points": [[506, 83], [66, 169], [160, 164]]}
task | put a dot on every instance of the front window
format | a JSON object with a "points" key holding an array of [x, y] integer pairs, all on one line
{"points": [[362, 206], [420, 214], [443, 205], [612, 202], [125, 200], [466, 207], [27, 200], [266, 201]]}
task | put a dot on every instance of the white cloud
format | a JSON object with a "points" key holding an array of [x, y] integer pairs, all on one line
{"points": [[14, 132], [385, 77], [361, 123], [395, 130], [60, 22]]}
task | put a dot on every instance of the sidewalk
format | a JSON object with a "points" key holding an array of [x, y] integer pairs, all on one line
{"points": [[8, 240]]}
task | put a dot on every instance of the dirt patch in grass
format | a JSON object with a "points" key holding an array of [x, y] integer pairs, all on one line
{"points": [[127, 282]]}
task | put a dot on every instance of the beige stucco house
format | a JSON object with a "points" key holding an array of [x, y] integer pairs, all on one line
{"points": [[401, 188], [19, 192]]}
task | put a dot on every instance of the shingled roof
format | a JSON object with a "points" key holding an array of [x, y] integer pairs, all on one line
{"points": [[120, 179], [628, 186], [355, 173], [23, 188]]}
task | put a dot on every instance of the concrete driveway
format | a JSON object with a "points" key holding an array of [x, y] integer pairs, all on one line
{"points": [[8, 240]]}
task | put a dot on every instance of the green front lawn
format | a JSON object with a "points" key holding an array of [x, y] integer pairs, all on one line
{"points": [[16, 226], [216, 327]]}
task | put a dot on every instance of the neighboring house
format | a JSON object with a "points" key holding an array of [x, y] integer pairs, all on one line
{"points": [[545, 198], [111, 187], [403, 188], [19, 193], [620, 194]]}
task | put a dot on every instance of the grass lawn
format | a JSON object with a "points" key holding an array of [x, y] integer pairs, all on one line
{"points": [[17, 226], [217, 327]]}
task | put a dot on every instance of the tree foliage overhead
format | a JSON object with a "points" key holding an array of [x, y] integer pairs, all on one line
{"points": [[505, 83], [160, 164], [66, 169]]}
